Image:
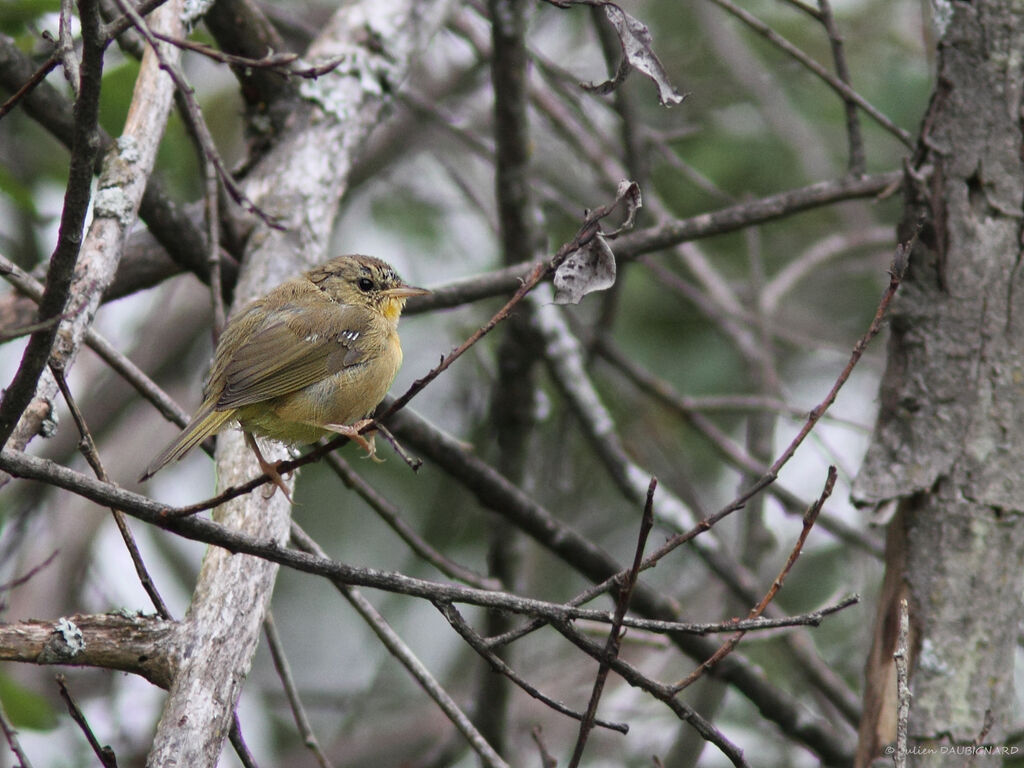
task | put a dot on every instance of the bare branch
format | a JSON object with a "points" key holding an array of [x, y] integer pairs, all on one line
{"points": [[18, 395], [12, 740], [104, 753], [831, 80], [284, 672], [138, 644], [478, 644], [612, 644]]}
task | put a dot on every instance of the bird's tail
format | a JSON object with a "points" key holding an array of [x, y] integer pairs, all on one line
{"points": [[205, 423]]}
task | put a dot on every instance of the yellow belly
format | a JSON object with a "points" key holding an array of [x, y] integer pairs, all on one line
{"points": [[351, 394]]}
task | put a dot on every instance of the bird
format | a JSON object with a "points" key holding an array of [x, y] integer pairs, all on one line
{"points": [[312, 357]]}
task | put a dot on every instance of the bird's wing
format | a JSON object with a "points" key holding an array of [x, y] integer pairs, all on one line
{"points": [[293, 349]]}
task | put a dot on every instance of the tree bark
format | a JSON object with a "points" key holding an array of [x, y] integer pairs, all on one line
{"points": [[948, 449]]}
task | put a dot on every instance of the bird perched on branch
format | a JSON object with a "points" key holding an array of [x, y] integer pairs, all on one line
{"points": [[307, 359]]}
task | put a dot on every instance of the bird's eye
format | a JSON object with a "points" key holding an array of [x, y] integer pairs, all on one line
{"points": [[364, 283]]}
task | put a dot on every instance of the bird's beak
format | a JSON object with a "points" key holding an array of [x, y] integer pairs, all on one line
{"points": [[405, 292]]}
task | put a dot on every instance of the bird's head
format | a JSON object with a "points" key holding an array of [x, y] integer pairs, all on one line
{"points": [[364, 281]]}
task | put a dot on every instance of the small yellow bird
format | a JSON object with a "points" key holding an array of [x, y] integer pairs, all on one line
{"points": [[316, 353]]}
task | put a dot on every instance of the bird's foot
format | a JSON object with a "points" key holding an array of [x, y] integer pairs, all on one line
{"points": [[270, 469], [351, 431]]}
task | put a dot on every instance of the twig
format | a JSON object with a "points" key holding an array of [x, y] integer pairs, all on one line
{"points": [[903, 695], [277, 61], [855, 139], [397, 647], [145, 386], [660, 691], [736, 217], [478, 644], [12, 739], [88, 448], [390, 515], [198, 529], [66, 48], [196, 115], [245, 757], [585, 234], [77, 195], [25, 330], [27, 576], [726, 648], [411, 461], [547, 760], [614, 640], [29, 85], [284, 672], [831, 80], [104, 753], [212, 212]]}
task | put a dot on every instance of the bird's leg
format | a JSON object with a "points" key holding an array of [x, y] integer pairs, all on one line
{"points": [[270, 470], [351, 431]]}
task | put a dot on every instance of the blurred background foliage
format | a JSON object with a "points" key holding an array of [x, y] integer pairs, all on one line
{"points": [[754, 123]]}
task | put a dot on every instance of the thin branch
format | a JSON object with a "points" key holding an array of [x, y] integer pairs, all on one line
{"points": [[614, 640], [291, 691], [547, 760], [390, 515], [397, 647], [88, 448], [25, 330], [22, 388], [759, 211], [212, 212], [662, 692], [29, 85], [145, 386], [239, 745], [196, 115], [198, 529], [855, 139], [844, 90], [12, 739], [726, 648], [104, 753], [7, 586], [66, 48], [478, 644]]}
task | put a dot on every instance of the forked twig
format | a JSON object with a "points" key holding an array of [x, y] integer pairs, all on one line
{"points": [[614, 640], [727, 647]]}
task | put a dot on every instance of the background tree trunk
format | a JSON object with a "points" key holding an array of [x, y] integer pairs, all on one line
{"points": [[948, 443]]}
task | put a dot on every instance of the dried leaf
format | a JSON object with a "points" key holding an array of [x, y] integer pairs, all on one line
{"points": [[587, 269], [637, 53], [628, 193], [591, 267]]}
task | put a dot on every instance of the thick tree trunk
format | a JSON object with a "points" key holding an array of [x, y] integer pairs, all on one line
{"points": [[948, 450]]}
